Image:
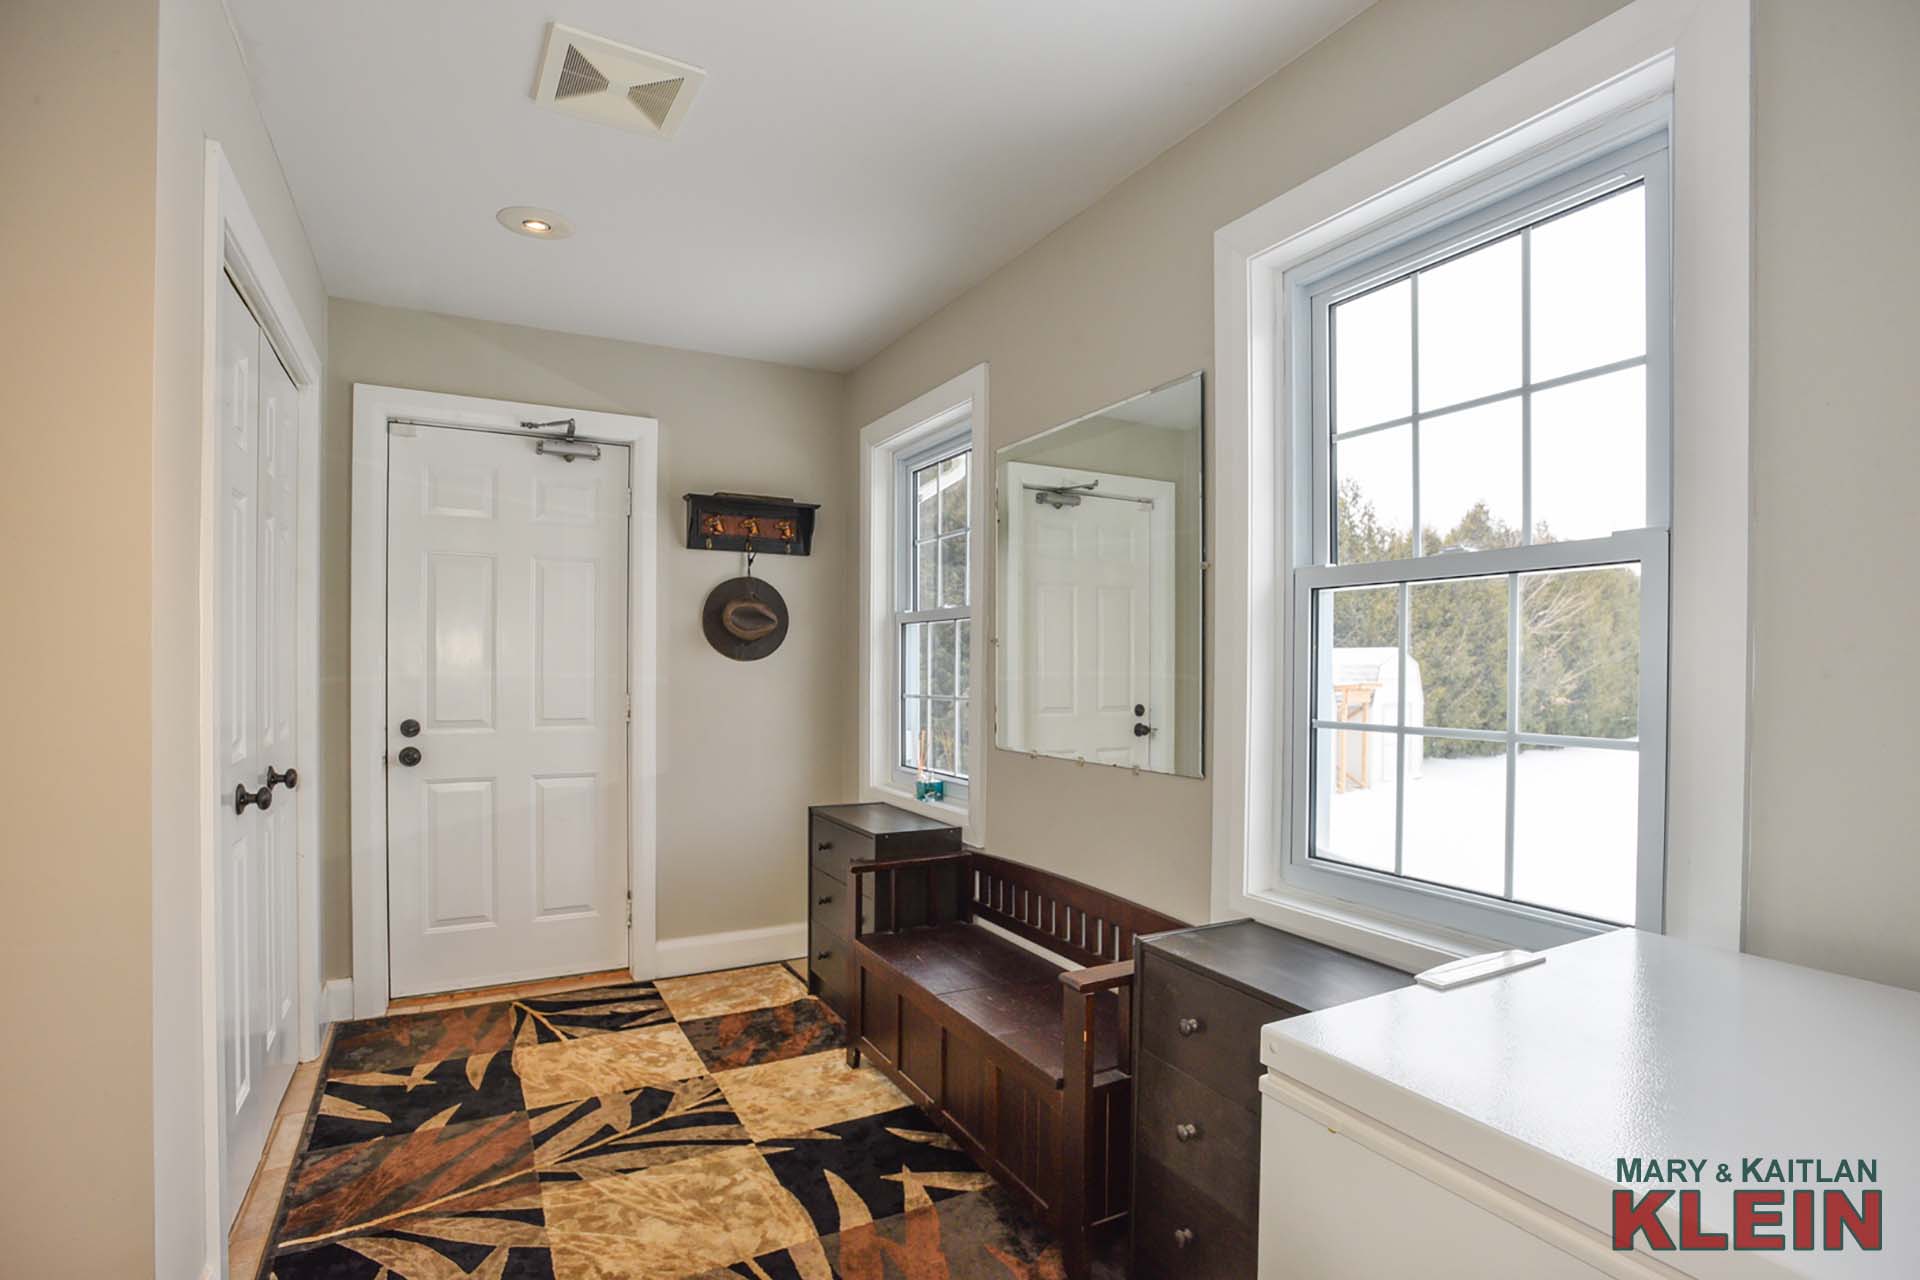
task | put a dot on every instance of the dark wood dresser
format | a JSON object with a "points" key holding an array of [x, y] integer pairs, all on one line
{"points": [[1200, 998], [839, 834]]}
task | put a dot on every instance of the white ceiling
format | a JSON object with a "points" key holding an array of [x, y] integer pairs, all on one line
{"points": [[848, 167]]}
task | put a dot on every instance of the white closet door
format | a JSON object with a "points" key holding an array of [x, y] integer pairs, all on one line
{"points": [[279, 522], [507, 710], [255, 931]]}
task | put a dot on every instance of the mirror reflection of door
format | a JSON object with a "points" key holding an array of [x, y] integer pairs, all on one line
{"points": [[1090, 615], [1099, 567]]}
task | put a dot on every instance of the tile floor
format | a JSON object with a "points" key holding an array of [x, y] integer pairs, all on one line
{"points": [[695, 1127]]}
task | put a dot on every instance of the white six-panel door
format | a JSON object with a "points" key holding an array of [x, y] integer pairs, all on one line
{"points": [[507, 648], [255, 925]]}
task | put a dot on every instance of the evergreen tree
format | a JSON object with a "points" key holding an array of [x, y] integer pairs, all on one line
{"points": [[1579, 633]]}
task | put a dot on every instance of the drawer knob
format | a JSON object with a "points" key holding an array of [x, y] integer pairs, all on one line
{"points": [[1186, 1132], [1182, 1237], [824, 899], [1188, 1026]]}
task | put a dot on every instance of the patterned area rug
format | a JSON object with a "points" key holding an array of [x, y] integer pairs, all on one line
{"points": [[704, 1126]]}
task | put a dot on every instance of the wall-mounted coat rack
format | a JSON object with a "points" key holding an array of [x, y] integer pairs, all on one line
{"points": [[749, 522]]}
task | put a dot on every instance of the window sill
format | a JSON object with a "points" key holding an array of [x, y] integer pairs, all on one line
{"points": [[945, 811], [1406, 944]]}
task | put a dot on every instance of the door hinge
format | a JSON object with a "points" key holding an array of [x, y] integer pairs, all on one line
{"points": [[629, 708], [629, 502], [629, 908]]}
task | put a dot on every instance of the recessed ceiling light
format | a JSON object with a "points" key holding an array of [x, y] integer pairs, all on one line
{"points": [[541, 224]]}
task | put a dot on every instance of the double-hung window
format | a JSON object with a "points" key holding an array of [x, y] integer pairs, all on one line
{"points": [[932, 619], [1478, 599]]}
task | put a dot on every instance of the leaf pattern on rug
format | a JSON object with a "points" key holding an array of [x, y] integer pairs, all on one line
{"points": [[732, 1141], [751, 1037], [362, 1105], [974, 1237], [635, 1129], [860, 1171], [346, 1188], [493, 1232], [570, 1015], [397, 1042]]}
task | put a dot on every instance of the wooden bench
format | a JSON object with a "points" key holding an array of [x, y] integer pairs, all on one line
{"points": [[1026, 1063]]}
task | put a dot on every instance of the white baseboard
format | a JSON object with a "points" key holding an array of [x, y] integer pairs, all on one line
{"points": [[336, 1000], [705, 952]]}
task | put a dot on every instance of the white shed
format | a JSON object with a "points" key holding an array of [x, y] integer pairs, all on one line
{"points": [[1366, 690]]}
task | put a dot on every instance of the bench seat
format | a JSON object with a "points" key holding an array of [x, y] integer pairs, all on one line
{"points": [[1023, 1060], [1002, 989]]}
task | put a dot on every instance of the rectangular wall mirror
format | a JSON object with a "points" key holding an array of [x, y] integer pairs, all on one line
{"points": [[1100, 530]]}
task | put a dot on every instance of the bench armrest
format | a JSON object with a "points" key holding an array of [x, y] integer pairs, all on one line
{"points": [[871, 865], [1101, 977], [874, 866]]}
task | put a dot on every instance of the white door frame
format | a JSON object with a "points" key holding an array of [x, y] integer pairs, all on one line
{"points": [[234, 245], [373, 407], [1160, 590]]}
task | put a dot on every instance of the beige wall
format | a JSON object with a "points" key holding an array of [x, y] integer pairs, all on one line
{"points": [[1834, 880], [1121, 298], [730, 829], [76, 359], [203, 93]]}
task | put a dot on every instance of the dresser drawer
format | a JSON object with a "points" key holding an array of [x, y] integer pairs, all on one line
{"points": [[1179, 1234], [1205, 1028], [832, 847], [830, 904], [829, 964], [1198, 1137]]}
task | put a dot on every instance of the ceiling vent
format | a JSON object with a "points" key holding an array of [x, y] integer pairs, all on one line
{"points": [[610, 83]]}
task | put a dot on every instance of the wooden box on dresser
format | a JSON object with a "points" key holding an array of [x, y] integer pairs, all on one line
{"points": [[1201, 996], [841, 834]]}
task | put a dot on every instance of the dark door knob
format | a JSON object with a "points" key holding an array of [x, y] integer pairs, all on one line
{"points": [[243, 797], [1142, 730], [1139, 708], [409, 728], [825, 898], [409, 756], [290, 779]]}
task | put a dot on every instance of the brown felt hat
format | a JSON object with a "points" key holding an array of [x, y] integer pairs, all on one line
{"points": [[745, 618]]}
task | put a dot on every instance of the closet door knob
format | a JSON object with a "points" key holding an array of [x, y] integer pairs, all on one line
{"points": [[409, 756], [1182, 1237], [290, 779], [243, 797], [1188, 1026], [824, 899], [1186, 1132]]}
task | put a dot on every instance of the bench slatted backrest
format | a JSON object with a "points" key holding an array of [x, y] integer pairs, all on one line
{"points": [[1087, 925]]}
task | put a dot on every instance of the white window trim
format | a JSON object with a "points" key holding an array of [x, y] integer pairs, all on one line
{"points": [[883, 444], [1698, 51], [1626, 151]]}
